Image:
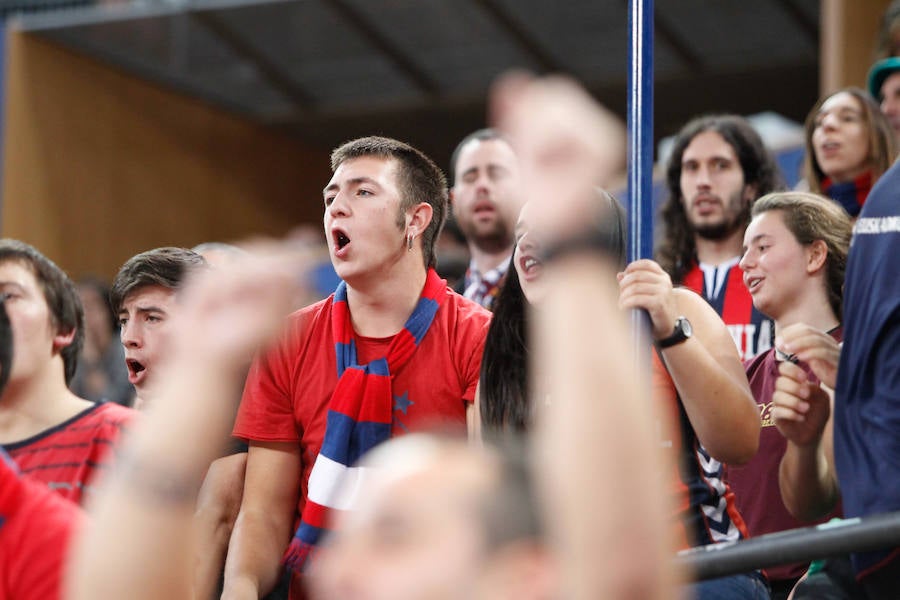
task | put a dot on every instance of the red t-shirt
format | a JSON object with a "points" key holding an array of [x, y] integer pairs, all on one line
{"points": [[288, 389], [69, 456], [35, 528]]}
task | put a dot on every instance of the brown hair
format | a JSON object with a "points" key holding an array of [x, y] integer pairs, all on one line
{"points": [[882, 148], [166, 267], [60, 294], [812, 217], [418, 178]]}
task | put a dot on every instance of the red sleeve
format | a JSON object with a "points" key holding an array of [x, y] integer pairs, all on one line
{"points": [[266, 411], [474, 322], [36, 527]]}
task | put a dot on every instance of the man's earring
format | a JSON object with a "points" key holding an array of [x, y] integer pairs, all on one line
{"points": [[409, 242]]}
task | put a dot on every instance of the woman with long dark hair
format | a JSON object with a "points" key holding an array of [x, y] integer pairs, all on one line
{"points": [[503, 387], [704, 421]]}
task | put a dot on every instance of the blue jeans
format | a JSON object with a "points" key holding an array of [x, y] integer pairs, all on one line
{"points": [[749, 586]]}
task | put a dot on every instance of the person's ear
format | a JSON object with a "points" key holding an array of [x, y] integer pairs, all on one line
{"points": [[63, 339], [418, 218], [750, 193], [816, 255]]}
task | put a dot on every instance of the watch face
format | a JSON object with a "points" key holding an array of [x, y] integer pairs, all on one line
{"points": [[686, 327]]}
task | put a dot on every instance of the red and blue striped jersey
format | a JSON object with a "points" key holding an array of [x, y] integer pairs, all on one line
{"points": [[70, 455], [752, 331]]}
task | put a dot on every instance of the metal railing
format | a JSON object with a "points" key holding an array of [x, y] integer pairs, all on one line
{"points": [[806, 544]]}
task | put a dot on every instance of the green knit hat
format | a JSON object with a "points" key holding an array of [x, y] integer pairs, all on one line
{"points": [[881, 71]]}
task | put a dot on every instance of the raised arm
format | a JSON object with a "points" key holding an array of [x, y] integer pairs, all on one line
{"points": [[705, 368], [599, 408]]}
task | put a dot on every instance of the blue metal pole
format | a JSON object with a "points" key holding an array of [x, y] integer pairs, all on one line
{"points": [[640, 148], [640, 130]]}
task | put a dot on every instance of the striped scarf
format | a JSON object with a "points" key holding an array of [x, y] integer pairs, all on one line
{"points": [[360, 415], [850, 194]]}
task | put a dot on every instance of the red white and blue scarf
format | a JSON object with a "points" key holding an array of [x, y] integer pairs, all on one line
{"points": [[360, 414], [850, 194]]}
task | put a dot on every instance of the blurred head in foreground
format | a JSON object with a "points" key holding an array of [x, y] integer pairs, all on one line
{"points": [[439, 519]]}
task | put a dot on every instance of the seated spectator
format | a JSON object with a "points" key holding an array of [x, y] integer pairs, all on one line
{"points": [[849, 145], [50, 433], [101, 375], [794, 260]]}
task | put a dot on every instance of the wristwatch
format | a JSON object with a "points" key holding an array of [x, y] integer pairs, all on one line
{"points": [[682, 331]]}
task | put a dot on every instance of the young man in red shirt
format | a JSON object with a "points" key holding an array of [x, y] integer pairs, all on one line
{"points": [[393, 350]]}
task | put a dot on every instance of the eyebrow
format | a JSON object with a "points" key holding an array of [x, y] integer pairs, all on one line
{"points": [[353, 181], [756, 238], [724, 157], [840, 109], [143, 310]]}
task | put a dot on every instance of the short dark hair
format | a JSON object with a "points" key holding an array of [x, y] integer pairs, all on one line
{"points": [[59, 291], [166, 267], [677, 247], [482, 135], [418, 178]]}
